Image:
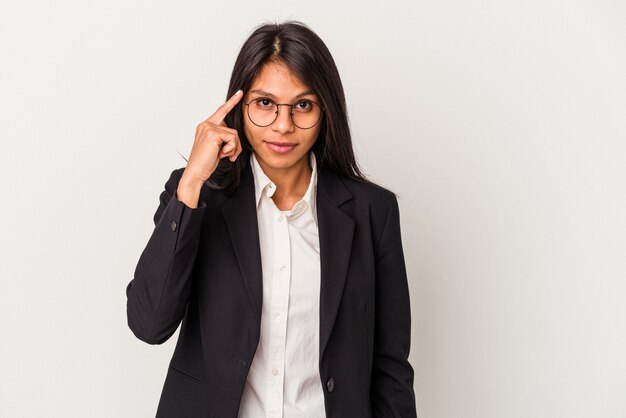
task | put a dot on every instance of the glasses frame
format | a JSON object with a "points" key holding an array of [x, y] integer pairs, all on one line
{"points": [[290, 113]]}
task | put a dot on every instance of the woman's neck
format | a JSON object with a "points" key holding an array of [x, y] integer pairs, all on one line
{"points": [[291, 183]]}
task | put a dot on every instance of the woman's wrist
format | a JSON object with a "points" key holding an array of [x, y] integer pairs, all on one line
{"points": [[188, 191]]}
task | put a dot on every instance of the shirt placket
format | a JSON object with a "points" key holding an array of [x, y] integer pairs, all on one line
{"points": [[280, 307]]}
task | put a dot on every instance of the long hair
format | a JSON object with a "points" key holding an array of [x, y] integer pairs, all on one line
{"points": [[305, 54]]}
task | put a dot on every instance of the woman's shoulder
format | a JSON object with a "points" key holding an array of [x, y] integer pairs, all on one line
{"points": [[369, 190], [370, 200], [363, 198]]}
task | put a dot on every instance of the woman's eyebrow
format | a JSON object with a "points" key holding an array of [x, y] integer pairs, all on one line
{"points": [[265, 93]]}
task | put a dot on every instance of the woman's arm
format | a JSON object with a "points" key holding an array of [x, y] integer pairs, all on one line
{"points": [[392, 376], [158, 294]]}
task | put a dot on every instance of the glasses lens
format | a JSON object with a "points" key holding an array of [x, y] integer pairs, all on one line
{"points": [[262, 112], [305, 113]]}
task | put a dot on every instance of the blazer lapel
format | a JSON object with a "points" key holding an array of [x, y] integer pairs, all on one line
{"points": [[336, 230], [240, 214]]}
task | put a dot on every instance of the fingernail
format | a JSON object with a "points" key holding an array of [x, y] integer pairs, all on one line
{"points": [[238, 92]]}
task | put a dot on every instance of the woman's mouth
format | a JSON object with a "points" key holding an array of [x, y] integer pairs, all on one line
{"points": [[280, 147]]}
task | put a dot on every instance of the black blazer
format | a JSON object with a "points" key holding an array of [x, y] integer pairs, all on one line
{"points": [[203, 266]]}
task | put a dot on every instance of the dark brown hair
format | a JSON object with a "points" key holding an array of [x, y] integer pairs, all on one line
{"points": [[305, 54]]}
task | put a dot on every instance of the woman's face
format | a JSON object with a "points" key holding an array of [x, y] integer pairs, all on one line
{"points": [[278, 84]]}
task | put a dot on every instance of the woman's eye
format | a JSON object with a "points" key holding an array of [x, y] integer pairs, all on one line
{"points": [[264, 102], [304, 105]]}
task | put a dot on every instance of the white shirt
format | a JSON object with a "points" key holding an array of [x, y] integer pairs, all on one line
{"points": [[284, 379]]}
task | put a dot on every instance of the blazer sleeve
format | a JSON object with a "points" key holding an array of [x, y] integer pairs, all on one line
{"points": [[392, 376], [157, 296]]}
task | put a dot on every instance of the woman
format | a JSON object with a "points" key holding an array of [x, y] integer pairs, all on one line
{"points": [[284, 264]]}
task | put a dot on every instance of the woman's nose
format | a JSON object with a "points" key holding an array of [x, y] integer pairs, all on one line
{"points": [[283, 122]]}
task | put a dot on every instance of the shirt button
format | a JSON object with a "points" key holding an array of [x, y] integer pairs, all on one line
{"points": [[280, 218], [275, 371], [330, 385], [282, 268], [173, 225]]}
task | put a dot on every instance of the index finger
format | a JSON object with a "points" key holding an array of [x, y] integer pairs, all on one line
{"points": [[221, 112]]}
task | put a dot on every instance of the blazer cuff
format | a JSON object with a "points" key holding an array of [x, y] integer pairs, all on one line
{"points": [[179, 225]]}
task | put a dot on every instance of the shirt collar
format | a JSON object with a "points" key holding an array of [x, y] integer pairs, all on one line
{"points": [[265, 187]]}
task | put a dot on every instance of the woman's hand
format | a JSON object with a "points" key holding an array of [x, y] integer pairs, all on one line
{"points": [[214, 140]]}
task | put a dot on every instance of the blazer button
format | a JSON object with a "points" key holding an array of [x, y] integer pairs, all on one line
{"points": [[173, 225], [330, 385]]}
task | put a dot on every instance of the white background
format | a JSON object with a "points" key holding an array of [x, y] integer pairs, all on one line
{"points": [[500, 124]]}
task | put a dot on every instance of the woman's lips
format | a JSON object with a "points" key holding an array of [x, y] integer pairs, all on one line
{"points": [[279, 147]]}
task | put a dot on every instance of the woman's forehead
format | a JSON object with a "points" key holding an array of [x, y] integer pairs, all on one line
{"points": [[277, 81]]}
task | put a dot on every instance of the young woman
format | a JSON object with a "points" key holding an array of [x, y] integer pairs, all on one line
{"points": [[284, 264]]}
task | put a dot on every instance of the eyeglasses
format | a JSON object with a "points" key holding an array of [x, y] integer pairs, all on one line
{"points": [[305, 114]]}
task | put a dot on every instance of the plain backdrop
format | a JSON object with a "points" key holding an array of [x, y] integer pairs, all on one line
{"points": [[500, 124]]}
